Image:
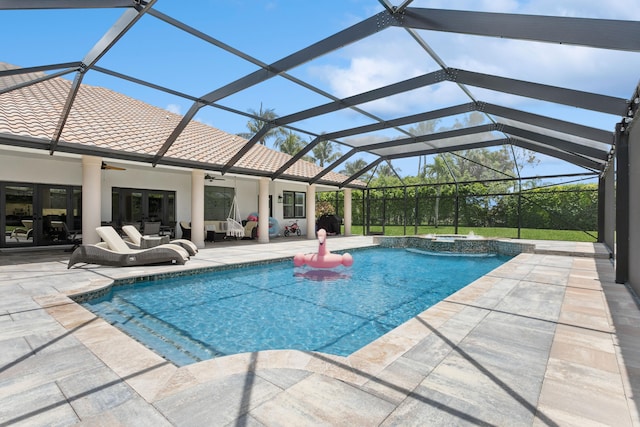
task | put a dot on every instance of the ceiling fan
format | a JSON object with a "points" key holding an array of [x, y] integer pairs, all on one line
{"points": [[212, 178], [110, 167]]}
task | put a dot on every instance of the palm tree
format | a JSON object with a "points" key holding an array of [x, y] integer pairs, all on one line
{"points": [[423, 128], [261, 118], [439, 172], [323, 153], [385, 170], [290, 143], [351, 168]]}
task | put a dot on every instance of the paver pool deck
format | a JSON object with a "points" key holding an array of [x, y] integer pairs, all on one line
{"points": [[548, 338]]}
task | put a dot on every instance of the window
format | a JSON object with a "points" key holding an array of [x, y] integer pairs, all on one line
{"points": [[135, 205], [217, 202], [294, 204]]}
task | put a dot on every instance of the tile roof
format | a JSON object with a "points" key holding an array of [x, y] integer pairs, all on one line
{"points": [[102, 118]]}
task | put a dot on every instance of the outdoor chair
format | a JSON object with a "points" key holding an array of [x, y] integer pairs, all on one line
{"points": [[72, 236], [136, 240], [234, 229], [185, 227], [251, 230], [113, 251]]}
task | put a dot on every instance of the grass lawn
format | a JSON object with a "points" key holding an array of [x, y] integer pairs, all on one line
{"points": [[525, 233]]}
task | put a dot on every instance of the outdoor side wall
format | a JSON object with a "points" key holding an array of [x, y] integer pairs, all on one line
{"points": [[634, 207]]}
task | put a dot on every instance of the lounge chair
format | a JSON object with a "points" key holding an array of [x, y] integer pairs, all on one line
{"points": [[25, 232], [136, 240], [72, 236], [113, 251]]}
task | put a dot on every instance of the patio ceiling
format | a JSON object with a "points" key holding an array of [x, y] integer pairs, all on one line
{"points": [[588, 147]]}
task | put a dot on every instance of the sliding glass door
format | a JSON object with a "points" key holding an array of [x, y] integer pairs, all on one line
{"points": [[38, 214], [17, 220], [134, 206]]}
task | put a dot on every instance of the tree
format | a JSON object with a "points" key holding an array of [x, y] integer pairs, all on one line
{"points": [[385, 170], [290, 143], [423, 128], [323, 153], [261, 118], [386, 176], [351, 168], [440, 173]]}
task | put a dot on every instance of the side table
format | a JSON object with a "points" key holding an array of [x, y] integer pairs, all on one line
{"points": [[147, 242]]}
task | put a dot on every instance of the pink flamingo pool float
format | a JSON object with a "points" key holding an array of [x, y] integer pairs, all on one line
{"points": [[324, 258]]}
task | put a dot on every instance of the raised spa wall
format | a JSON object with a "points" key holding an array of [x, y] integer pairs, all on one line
{"points": [[455, 244]]}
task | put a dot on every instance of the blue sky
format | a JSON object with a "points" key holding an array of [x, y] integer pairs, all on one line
{"points": [[270, 30]]}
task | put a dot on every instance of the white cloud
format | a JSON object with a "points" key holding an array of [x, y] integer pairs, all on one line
{"points": [[174, 108], [393, 56]]}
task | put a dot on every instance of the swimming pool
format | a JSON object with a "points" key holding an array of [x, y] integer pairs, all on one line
{"points": [[276, 306]]}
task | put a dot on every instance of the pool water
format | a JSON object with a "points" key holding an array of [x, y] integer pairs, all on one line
{"points": [[279, 306]]}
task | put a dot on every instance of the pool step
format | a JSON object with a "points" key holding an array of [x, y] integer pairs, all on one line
{"points": [[162, 337]]}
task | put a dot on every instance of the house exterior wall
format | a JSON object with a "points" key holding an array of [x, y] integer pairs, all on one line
{"points": [[37, 166], [17, 166]]}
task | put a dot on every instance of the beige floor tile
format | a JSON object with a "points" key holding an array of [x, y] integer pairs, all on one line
{"points": [[581, 402], [585, 356]]}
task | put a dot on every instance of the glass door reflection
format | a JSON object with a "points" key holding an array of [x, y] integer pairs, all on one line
{"points": [[18, 215]]}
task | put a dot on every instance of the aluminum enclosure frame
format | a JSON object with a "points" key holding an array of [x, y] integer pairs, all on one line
{"points": [[597, 33]]}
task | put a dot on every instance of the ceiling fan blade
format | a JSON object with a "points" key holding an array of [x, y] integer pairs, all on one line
{"points": [[213, 178], [109, 167]]}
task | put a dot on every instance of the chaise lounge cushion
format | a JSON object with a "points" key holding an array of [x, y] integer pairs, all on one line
{"points": [[136, 240]]}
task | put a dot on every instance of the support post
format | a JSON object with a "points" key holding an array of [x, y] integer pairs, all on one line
{"points": [[366, 212], [263, 211], [417, 211], [622, 204], [197, 208], [519, 211], [348, 211], [404, 212], [91, 198], [457, 213], [601, 209], [311, 212], [610, 209]]}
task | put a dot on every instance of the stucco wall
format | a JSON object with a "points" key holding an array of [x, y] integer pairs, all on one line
{"points": [[41, 168]]}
